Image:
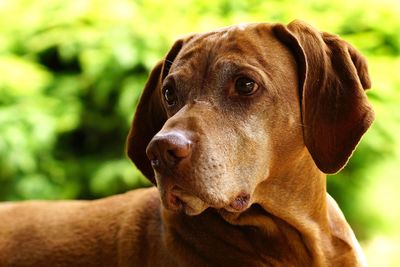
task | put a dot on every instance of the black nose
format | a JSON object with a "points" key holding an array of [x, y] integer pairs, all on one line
{"points": [[168, 149]]}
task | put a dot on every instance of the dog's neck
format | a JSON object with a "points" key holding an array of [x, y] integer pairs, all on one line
{"points": [[295, 206]]}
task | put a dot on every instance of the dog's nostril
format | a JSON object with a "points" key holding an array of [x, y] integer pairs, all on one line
{"points": [[155, 163]]}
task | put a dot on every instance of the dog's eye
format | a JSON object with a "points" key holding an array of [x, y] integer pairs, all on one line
{"points": [[169, 96], [245, 86]]}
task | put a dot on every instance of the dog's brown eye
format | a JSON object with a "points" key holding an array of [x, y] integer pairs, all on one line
{"points": [[170, 96], [245, 86]]}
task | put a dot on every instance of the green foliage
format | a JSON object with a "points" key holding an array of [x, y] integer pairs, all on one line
{"points": [[72, 73]]}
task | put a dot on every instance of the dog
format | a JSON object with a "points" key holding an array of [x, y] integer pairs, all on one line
{"points": [[237, 128]]}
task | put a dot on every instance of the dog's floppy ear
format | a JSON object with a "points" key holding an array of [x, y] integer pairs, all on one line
{"points": [[333, 77], [150, 114]]}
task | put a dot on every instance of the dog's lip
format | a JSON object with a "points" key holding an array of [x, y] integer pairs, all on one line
{"points": [[240, 203], [188, 203], [177, 199]]}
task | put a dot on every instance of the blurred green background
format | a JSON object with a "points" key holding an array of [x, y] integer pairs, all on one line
{"points": [[71, 73]]}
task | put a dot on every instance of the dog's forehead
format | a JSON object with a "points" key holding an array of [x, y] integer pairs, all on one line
{"points": [[235, 41]]}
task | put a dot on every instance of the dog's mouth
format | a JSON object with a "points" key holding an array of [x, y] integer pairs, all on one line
{"points": [[177, 199]]}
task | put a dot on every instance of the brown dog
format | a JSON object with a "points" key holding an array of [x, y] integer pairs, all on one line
{"points": [[240, 125]]}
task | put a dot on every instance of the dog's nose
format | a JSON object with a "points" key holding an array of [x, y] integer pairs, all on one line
{"points": [[168, 149]]}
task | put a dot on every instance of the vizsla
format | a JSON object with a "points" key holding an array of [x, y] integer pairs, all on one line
{"points": [[236, 128]]}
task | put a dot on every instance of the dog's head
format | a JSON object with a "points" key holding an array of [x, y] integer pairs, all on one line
{"points": [[228, 109]]}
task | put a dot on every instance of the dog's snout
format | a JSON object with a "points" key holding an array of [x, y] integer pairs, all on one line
{"points": [[168, 149]]}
